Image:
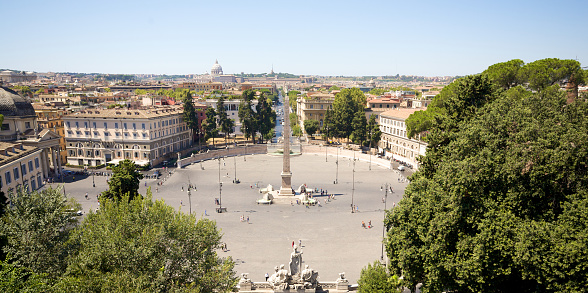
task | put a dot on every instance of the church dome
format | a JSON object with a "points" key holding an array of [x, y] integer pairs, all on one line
{"points": [[13, 104], [216, 69]]}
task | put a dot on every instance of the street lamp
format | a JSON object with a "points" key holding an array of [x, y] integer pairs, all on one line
{"points": [[385, 200], [337, 163], [190, 195], [370, 154], [220, 197], [353, 185]]}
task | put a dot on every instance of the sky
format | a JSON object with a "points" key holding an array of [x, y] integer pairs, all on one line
{"points": [[333, 38]]}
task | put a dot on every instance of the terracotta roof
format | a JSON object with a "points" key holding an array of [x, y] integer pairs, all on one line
{"points": [[400, 113], [126, 113]]}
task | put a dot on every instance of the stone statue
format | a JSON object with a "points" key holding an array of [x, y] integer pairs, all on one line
{"points": [[279, 280], [295, 261], [309, 277]]}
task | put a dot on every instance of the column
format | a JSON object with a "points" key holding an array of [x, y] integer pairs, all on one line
{"points": [[44, 166], [59, 162], [53, 159]]}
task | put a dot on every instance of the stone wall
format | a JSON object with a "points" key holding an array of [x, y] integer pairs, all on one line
{"points": [[229, 152]]}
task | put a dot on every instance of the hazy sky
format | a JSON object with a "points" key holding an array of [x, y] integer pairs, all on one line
{"points": [[301, 37]]}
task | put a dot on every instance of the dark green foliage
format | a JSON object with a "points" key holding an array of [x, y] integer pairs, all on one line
{"points": [[500, 202], [225, 123], [37, 226], [142, 245], [266, 117], [311, 126], [189, 114], [506, 74], [248, 118], [14, 278], [124, 181], [373, 131], [209, 125], [547, 72], [375, 279], [347, 103], [359, 127]]}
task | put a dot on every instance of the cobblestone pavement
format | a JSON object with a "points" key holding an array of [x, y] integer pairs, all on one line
{"points": [[333, 239]]}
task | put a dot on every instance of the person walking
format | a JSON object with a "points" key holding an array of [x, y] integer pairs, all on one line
{"points": [[247, 219], [292, 243], [266, 276]]}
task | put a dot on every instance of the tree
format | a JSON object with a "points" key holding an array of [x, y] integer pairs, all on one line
{"points": [[359, 126], [124, 181], [334, 88], [189, 114], [225, 123], [14, 278], [506, 74], [37, 227], [375, 279], [500, 203], [328, 129], [209, 125], [311, 126], [374, 132], [144, 245], [346, 104], [265, 116], [247, 116], [140, 92], [296, 131]]}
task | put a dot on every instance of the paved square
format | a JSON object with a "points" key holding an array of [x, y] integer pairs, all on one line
{"points": [[332, 238]]}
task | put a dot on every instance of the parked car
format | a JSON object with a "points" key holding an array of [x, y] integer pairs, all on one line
{"points": [[401, 168]]}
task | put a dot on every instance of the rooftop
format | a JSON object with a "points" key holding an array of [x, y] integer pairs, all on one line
{"points": [[400, 113]]}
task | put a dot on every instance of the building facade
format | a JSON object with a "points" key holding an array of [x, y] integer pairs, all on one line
{"points": [[146, 136], [313, 106], [51, 118], [21, 166], [395, 141]]}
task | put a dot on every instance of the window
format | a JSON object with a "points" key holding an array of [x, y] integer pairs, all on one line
{"points": [[77, 124], [16, 173], [134, 126], [30, 166], [39, 181], [94, 125], [33, 184], [134, 135], [85, 124], [68, 126], [87, 133], [143, 126], [89, 153], [36, 163], [97, 153], [125, 125], [27, 125], [95, 133], [105, 125], [106, 133], [8, 178], [23, 169], [115, 125]]}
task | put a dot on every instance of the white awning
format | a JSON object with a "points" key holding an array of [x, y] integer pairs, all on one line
{"points": [[142, 163], [115, 161]]}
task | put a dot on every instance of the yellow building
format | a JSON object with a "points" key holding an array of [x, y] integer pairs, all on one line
{"points": [[313, 106], [51, 118]]}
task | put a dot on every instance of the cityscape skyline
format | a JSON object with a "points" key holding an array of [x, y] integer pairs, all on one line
{"points": [[304, 38]]}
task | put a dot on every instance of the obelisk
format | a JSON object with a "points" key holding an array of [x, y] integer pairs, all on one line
{"points": [[286, 189]]}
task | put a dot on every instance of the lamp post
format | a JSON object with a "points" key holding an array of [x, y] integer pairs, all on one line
{"points": [[370, 150], [220, 197], [337, 163], [236, 181], [353, 185], [62, 181], [384, 226], [190, 195]]}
